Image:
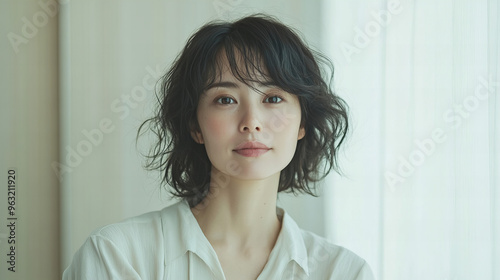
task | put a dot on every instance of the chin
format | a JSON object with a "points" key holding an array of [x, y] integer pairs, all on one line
{"points": [[256, 173]]}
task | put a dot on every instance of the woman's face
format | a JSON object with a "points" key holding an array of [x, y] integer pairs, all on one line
{"points": [[230, 114]]}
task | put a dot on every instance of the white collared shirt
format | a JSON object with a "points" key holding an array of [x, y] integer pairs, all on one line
{"points": [[169, 244]]}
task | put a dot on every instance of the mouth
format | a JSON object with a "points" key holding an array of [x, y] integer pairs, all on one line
{"points": [[251, 149], [251, 152]]}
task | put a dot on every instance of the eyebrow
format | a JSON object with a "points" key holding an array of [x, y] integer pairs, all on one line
{"points": [[227, 84], [222, 84]]}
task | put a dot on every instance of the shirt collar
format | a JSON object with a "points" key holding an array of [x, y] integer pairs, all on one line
{"points": [[182, 233], [290, 240]]}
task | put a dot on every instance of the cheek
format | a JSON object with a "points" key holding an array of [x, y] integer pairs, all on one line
{"points": [[213, 126], [285, 121], [216, 127]]}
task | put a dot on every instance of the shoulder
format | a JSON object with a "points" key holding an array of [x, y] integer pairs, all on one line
{"points": [[146, 224], [141, 232], [134, 246], [333, 261], [132, 236]]}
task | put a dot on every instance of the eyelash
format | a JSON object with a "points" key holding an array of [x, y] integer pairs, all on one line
{"points": [[267, 97]]}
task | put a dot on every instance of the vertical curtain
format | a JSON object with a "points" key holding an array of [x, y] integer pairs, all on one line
{"points": [[420, 195], [29, 224]]}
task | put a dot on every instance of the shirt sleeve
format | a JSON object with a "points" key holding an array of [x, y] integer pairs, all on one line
{"points": [[365, 273], [99, 258]]}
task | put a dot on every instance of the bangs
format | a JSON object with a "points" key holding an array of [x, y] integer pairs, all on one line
{"points": [[246, 64], [258, 52]]}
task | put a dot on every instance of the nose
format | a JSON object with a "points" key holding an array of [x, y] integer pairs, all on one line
{"points": [[250, 121]]}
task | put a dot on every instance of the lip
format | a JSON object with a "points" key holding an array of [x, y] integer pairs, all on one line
{"points": [[251, 145], [251, 149]]}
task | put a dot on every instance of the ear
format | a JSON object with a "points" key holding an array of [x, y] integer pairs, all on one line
{"points": [[197, 137], [195, 133], [302, 133]]}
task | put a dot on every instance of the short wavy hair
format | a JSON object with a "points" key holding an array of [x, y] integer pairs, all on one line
{"points": [[272, 50]]}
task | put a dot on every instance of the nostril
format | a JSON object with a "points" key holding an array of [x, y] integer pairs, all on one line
{"points": [[246, 128]]}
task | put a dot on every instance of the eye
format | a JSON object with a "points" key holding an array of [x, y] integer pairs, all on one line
{"points": [[225, 100], [274, 99]]}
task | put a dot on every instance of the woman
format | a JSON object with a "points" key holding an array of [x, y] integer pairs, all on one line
{"points": [[244, 113]]}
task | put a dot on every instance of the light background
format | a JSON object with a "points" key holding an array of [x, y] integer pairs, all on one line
{"points": [[409, 70]]}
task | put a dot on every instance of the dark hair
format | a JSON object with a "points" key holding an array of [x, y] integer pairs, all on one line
{"points": [[272, 50]]}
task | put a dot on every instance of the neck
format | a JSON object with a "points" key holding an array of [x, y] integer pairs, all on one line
{"points": [[240, 214]]}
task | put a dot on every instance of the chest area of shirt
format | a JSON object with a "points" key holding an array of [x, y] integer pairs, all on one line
{"points": [[195, 267], [238, 268]]}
